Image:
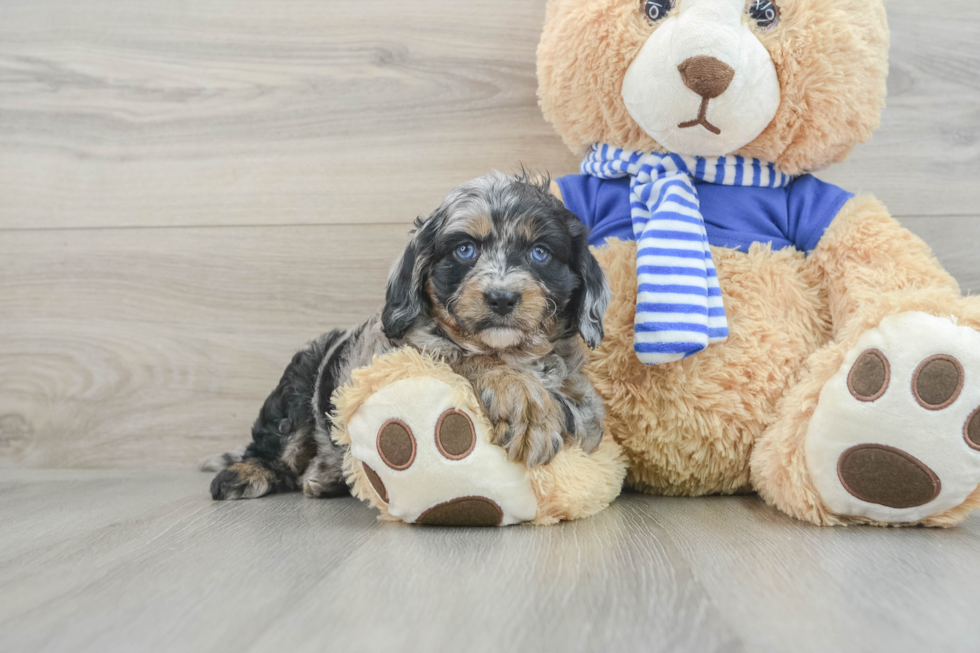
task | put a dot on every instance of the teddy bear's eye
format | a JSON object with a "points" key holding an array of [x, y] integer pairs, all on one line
{"points": [[765, 13], [655, 10]]}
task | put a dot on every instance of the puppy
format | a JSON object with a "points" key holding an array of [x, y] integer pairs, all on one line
{"points": [[499, 283]]}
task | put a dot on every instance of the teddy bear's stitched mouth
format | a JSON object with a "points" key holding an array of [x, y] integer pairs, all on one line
{"points": [[702, 119]]}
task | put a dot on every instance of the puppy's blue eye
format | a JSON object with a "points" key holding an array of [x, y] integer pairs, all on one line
{"points": [[466, 252], [540, 254]]}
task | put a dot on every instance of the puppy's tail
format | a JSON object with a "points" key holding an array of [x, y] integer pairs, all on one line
{"points": [[221, 461]]}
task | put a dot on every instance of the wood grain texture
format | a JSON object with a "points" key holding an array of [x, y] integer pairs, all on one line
{"points": [[154, 348], [952, 240], [117, 561], [251, 112], [150, 112], [930, 130], [189, 192]]}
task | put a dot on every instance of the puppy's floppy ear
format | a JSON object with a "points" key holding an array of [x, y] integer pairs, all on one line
{"points": [[405, 297], [593, 296]]}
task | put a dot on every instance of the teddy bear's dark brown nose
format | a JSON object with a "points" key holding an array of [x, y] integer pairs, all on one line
{"points": [[706, 76]]}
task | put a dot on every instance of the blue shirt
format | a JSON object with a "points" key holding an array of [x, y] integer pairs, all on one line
{"points": [[734, 216]]}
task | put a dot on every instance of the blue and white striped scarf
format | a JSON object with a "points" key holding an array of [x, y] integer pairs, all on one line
{"points": [[679, 308]]}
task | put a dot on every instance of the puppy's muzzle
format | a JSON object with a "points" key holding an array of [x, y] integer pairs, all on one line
{"points": [[502, 302]]}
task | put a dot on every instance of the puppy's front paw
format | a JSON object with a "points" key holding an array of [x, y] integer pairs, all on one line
{"points": [[531, 444], [527, 422]]}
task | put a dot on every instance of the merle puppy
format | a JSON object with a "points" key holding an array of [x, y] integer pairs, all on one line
{"points": [[499, 283]]}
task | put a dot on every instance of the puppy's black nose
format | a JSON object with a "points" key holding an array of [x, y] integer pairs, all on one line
{"points": [[501, 302]]}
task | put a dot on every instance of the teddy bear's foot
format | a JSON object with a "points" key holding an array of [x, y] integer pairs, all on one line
{"points": [[429, 460], [895, 436], [419, 449]]}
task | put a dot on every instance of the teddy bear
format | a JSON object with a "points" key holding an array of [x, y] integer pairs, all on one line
{"points": [[768, 332]]}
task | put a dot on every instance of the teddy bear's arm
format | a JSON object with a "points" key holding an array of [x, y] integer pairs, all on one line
{"points": [[866, 255]]}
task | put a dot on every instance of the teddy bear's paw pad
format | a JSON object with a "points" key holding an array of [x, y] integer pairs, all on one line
{"points": [[455, 435], [887, 476], [464, 511], [972, 430], [376, 482], [396, 444], [428, 457], [895, 436]]}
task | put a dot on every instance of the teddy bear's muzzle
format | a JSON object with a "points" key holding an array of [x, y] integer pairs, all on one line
{"points": [[703, 84]]}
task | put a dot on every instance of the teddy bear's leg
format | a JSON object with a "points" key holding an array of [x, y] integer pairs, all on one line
{"points": [[418, 447], [884, 424]]}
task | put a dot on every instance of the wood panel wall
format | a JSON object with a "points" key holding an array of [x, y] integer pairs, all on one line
{"points": [[191, 190]]}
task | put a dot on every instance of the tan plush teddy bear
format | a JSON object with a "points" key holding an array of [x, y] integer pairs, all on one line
{"points": [[768, 332]]}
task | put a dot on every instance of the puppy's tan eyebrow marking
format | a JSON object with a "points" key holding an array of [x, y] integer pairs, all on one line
{"points": [[528, 230], [477, 225]]}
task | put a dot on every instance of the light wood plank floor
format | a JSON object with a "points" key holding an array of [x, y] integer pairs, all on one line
{"points": [[119, 561], [189, 192]]}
